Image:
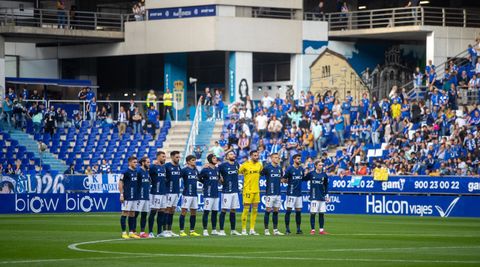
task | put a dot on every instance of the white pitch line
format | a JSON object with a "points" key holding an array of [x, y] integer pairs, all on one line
{"points": [[401, 234], [218, 256], [72, 259], [344, 250]]}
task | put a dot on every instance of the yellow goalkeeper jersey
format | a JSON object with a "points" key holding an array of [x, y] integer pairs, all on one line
{"points": [[251, 176]]}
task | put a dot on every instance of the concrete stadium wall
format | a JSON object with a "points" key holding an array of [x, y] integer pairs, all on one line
{"points": [[444, 42]]}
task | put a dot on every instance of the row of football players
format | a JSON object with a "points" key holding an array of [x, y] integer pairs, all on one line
{"points": [[155, 188]]}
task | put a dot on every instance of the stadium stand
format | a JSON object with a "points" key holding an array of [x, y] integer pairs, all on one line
{"points": [[433, 129], [79, 144]]}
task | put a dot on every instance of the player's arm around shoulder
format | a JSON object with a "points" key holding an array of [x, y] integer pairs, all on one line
{"points": [[325, 187], [220, 176], [285, 177], [261, 167], [243, 168]]}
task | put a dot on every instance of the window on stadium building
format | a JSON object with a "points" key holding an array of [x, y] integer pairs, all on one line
{"points": [[270, 67]]}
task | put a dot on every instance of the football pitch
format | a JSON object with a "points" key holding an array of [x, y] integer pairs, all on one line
{"points": [[93, 239]]}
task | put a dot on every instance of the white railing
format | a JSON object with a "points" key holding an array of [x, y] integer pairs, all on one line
{"points": [[440, 69], [193, 132], [118, 103], [52, 18], [395, 17]]}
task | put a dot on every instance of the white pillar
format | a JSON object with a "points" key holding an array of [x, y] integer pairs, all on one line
{"points": [[430, 46], [2, 67], [300, 71], [296, 73]]}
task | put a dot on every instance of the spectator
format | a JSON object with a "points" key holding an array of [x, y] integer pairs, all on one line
{"points": [[122, 121], [417, 78], [50, 122], [168, 98], [152, 120], [340, 128], [20, 111], [7, 106], [243, 143], [274, 127], [73, 17], [217, 150], [70, 170], [473, 54], [319, 11], [105, 167], [10, 170], [218, 99], [345, 110], [25, 94], [295, 116], [292, 144], [308, 140], [207, 101], [35, 95], [77, 119], [267, 101], [18, 167], [92, 109], [102, 114], [261, 124], [95, 169], [61, 14], [151, 99], [345, 15], [137, 121]]}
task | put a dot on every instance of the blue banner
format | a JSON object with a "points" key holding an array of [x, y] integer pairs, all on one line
{"points": [[175, 73], [76, 182], [406, 184], [108, 183], [182, 12], [57, 203], [231, 76], [32, 183], [438, 206]]}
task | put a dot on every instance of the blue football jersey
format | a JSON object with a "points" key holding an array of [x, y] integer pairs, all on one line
{"points": [[130, 185], [173, 178], [294, 177], [318, 185], [229, 173], [273, 176], [209, 178], [158, 175], [190, 178], [144, 184]]}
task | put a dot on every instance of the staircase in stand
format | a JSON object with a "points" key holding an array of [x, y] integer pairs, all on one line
{"points": [[46, 157]]}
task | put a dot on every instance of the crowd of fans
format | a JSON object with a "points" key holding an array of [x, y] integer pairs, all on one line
{"points": [[436, 135], [18, 109]]}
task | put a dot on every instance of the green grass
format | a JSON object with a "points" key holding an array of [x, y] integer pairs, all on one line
{"points": [[33, 240]]}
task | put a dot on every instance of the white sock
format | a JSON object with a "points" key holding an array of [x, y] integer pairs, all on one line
{"points": [[321, 229], [124, 233]]}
